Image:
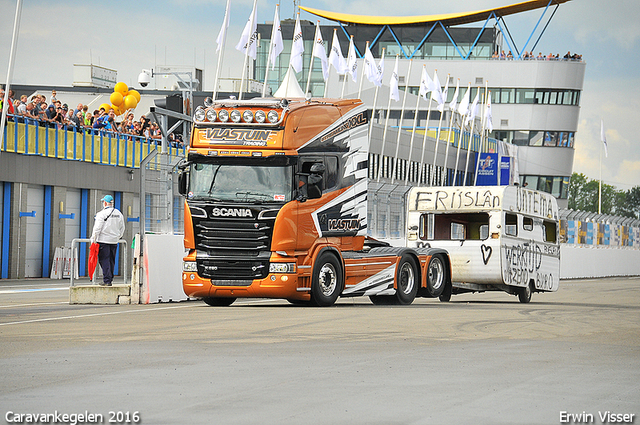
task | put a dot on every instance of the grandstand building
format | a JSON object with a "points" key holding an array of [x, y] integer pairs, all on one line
{"points": [[535, 102]]}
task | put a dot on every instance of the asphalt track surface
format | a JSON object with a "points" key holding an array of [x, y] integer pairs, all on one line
{"points": [[479, 359]]}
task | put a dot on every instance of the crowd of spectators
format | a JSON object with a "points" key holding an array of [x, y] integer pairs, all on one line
{"points": [[55, 114], [531, 56]]}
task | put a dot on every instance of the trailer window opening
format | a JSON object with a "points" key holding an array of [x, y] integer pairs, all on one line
{"points": [[527, 223], [550, 231], [471, 226], [510, 224]]}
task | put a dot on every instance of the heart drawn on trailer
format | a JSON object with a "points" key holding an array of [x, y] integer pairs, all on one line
{"points": [[486, 253]]}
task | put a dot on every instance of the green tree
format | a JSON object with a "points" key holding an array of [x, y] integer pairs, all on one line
{"points": [[583, 195], [628, 203]]}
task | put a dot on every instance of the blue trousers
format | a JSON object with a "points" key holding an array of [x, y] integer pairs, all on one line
{"points": [[107, 260]]}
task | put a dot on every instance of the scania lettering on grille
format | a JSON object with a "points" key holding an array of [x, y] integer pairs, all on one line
{"points": [[231, 212], [344, 224]]}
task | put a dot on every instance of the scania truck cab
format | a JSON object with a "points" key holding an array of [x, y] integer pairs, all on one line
{"points": [[276, 207]]}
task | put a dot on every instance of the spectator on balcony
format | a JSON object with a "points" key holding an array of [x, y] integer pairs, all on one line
{"points": [[53, 97], [540, 56]]}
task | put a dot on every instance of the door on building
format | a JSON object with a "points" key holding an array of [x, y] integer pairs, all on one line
{"points": [[34, 231]]}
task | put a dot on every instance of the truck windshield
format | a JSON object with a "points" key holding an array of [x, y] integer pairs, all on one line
{"points": [[241, 183]]}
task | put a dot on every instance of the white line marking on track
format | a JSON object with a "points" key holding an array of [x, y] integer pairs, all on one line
{"points": [[18, 291], [79, 316], [32, 304]]}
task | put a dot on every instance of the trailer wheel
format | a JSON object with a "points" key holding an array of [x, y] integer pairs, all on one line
{"points": [[436, 276], [407, 280], [327, 280], [524, 293], [218, 301]]}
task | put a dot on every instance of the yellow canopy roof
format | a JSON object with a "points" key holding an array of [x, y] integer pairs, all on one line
{"points": [[446, 19]]}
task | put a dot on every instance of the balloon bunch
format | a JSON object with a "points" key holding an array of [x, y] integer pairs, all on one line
{"points": [[122, 99]]}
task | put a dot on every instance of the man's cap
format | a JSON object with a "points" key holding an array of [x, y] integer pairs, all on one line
{"points": [[107, 198]]}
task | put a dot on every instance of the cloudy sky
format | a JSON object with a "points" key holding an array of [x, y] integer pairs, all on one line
{"points": [[128, 36]]}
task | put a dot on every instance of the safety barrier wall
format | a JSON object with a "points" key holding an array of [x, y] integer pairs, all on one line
{"points": [[89, 145]]}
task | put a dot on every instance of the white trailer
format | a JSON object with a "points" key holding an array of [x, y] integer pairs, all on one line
{"points": [[499, 238]]}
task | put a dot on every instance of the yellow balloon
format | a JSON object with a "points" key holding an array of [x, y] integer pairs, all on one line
{"points": [[116, 110], [130, 102], [121, 87], [105, 106], [135, 94], [116, 98]]}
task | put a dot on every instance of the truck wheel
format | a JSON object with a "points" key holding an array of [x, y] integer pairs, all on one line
{"points": [[445, 297], [436, 276], [406, 280], [524, 293], [218, 301], [327, 280]]}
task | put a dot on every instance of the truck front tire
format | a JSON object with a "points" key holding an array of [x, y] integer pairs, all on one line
{"points": [[327, 280], [218, 301]]}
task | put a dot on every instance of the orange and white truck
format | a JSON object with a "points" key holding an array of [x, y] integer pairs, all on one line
{"points": [[276, 207]]}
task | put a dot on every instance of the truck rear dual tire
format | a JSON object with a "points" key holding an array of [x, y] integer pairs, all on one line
{"points": [[407, 284]]}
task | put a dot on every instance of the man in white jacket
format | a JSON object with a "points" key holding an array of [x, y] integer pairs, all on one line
{"points": [[107, 231]]}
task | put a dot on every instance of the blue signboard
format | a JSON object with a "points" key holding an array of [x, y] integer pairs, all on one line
{"points": [[488, 170], [505, 170]]}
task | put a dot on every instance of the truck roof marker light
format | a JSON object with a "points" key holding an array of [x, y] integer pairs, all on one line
{"points": [[273, 117], [223, 115], [256, 153], [260, 116], [211, 115], [247, 116], [199, 115], [208, 102], [235, 115]]}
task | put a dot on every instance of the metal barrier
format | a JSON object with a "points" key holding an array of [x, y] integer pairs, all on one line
{"points": [[75, 242]]}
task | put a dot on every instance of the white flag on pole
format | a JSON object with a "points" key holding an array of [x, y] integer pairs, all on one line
{"points": [[454, 102], [437, 91], [371, 70], [394, 93], [222, 35], [320, 53], [335, 56], [604, 139], [426, 84], [249, 38], [297, 47], [463, 107], [473, 111], [352, 61], [488, 115], [380, 69], [277, 45]]}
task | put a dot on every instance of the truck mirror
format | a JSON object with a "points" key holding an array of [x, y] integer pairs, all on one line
{"points": [[317, 168], [183, 177]]}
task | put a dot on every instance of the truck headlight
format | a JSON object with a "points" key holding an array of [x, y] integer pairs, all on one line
{"points": [[189, 266], [282, 267]]}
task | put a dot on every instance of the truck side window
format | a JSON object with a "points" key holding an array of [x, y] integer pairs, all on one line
{"points": [[527, 223], [550, 232], [510, 224], [331, 173]]}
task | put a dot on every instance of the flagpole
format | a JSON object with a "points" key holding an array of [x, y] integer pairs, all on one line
{"points": [[600, 185], [362, 73], [375, 99], [221, 52], [326, 84], [313, 51], [404, 101], [413, 133], [424, 137], [246, 53], [446, 152], [461, 135], [266, 71], [344, 82], [472, 116], [482, 129], [435, 152], [386, 126]]}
